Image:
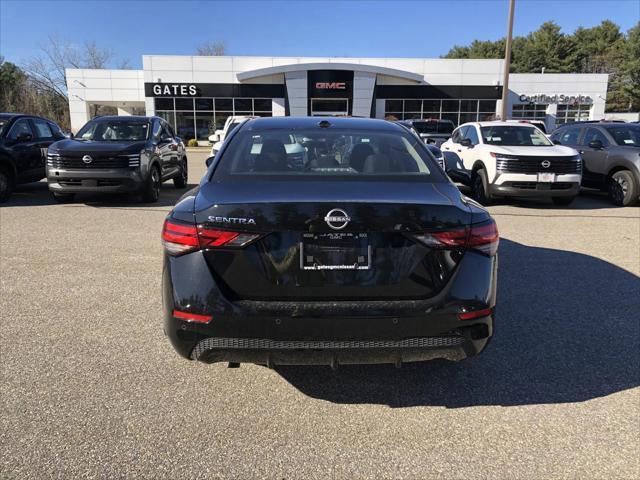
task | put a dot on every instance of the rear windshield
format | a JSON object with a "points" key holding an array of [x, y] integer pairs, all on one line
{"points": [[512, 136], [625, 135], [325, 153], [114, 131]]}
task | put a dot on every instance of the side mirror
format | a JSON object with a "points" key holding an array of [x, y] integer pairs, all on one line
{"points": [[596, 144], [466, 142], [557, 142], [24, 137], [214, 138], [209, 161], [216, 147]]}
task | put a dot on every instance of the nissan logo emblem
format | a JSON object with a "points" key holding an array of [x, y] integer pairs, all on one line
{"points": [[87, 159], [546, 163], [337, 219]]}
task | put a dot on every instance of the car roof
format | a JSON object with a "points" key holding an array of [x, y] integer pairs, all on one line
{"points": [[500, 123], [9, 116], [125, 117], [591, 123], [339, 123]]}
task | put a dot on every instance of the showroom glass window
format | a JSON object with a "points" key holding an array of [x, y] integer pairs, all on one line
{"points": [[530, 111], [572, 113], [458, 111], [200, 117]]}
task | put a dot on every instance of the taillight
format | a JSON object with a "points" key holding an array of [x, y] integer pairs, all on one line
{"points": [[178, 238], [181, 238], [482, 237]]}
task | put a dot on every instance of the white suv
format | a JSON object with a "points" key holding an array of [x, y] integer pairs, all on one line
{"points": [[499, 159], [218, 138]]}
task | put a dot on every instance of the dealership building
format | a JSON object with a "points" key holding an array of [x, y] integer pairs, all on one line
{"points": [[196, 94]]}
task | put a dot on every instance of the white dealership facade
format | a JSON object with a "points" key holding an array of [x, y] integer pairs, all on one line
{"points": [[196, 94]]}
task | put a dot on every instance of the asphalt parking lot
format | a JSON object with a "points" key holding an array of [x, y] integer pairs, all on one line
{"points": [[90, 387]]}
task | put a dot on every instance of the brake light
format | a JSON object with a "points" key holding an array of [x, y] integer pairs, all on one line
{"points": [[183, 238], [482, 237]]}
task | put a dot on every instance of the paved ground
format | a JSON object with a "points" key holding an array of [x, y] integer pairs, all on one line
{"points": [[90, 387]]}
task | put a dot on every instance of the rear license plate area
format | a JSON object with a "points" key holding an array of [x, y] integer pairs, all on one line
{"points": [[335, 251]]}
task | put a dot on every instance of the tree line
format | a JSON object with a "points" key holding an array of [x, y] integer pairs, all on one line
{"points": [[39, 85], [600, 49]]}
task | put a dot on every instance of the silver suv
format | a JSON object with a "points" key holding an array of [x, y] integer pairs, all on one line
{"points": [[610, 157]]}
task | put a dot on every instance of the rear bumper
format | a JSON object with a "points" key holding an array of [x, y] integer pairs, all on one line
{"points": [[120, 180], [454, 346], [327, 333]]}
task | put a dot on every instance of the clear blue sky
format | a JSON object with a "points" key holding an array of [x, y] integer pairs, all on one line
{"points": [[289, 28]]}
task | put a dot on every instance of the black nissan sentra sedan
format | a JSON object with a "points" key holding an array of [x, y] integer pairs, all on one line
{"points": [[350, 247]]}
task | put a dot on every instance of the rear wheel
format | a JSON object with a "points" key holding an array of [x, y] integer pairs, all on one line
{"points": [[623, 190], [151, 191], [480, 187], [564, 201], [6, 184], [63, 197], [181, 180]]}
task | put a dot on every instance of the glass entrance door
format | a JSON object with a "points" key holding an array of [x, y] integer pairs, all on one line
{"points": [[331, 107]]}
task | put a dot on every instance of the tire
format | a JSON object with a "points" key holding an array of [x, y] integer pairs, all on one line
{"points": [[181, 180], [6, 184], [623, 190], [151, 190], [562, 201], [63, 197], [480, 187]]}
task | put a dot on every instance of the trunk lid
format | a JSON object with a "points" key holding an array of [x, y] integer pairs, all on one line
{"points": [[381, 217]]}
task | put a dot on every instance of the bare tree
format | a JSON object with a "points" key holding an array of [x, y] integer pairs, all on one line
{"points": [[47, 68], [212, 49]]}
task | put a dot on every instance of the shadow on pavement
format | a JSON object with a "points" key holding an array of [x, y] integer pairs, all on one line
{"points": [[567, 330], [37, 194]]}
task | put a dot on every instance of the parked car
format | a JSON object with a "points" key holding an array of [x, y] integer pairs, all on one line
{"points": [[369, 256], [437, 153], [513, 159], [431, 129], [229, 126], [24, 140], [610, 157], [117, 155], [541, 125]]}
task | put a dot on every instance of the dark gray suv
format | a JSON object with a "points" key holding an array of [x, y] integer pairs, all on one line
{"points": [[117, 155], [610, 157]]}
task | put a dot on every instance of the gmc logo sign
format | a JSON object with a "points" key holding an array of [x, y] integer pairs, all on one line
{"points": [[331, 85]]}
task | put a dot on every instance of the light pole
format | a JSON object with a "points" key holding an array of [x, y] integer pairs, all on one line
{"points": [[507, 62]]}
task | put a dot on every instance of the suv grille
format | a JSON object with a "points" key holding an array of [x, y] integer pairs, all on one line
{"points": [[560, 165], [118, 161]]}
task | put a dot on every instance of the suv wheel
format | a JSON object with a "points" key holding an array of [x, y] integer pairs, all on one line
{"points": [[564, 201], [480, 187], [63, 197], [623, 190], [6, 184], [181, 180], [151, 191]]}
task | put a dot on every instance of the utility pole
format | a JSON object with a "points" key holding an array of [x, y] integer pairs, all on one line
{"points": [[507, 62]]}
